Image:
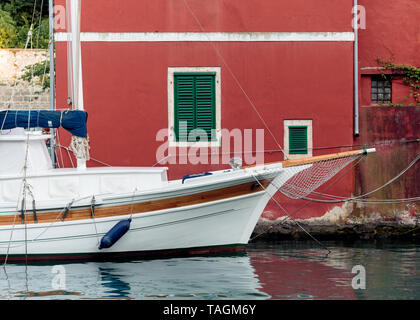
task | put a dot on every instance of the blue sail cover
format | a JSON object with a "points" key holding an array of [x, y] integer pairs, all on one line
{"points": [[73, 121]]}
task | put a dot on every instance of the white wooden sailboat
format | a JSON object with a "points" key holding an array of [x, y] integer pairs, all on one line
{"points": [[68, 211], [50, 214]]}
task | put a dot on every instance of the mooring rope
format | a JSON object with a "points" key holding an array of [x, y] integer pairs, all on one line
{"points": [[285, 211]]}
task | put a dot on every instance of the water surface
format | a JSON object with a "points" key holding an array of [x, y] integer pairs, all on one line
{"points": [[285, 270]]}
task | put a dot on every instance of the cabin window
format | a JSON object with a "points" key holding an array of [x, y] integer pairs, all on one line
{"points": [[381, 89], [297, 138], [194, 106]]}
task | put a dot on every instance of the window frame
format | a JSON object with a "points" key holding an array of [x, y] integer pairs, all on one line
{"points": [[286, 141], [171, 105], [380, 78]]}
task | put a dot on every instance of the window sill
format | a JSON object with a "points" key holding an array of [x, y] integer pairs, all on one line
{"points": [[386, 105]]}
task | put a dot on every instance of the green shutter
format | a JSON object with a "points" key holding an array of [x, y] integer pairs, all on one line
{"points": [[195, 104], [205, 104], [298, 140], [184, 106]]}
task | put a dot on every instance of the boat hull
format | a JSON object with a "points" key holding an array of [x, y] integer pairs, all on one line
{"points": [[208, 227], [124, 256]]}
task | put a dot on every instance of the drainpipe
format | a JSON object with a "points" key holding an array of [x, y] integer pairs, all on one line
{"points": [[52, 75], [356, 70]]}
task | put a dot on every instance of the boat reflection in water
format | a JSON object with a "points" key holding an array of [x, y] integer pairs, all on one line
{"points": [[295, 270], [257, 274], [216, 277]]}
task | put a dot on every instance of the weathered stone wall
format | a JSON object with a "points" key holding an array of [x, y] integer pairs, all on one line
{"points": [[14, 92], [395, 132]]}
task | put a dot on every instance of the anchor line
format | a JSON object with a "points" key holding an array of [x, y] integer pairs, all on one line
{"points": [[308, 203], [285, 211]]}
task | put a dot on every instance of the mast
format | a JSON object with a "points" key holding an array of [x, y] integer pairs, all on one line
{"points": [[75, 6], [76, 63], [52, 75]]}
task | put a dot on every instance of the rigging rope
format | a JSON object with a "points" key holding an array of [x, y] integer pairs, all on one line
{"points": [[285, 211], [296, 193], [235, 78], [26, 187]]}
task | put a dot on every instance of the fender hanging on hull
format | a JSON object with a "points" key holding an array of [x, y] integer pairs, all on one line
{"points": [[113, 235]]}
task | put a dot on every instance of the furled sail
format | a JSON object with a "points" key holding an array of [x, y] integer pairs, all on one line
{"points": [[73, 121]]}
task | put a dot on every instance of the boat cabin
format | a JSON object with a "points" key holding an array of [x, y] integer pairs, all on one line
{"points": [[48, 184]]}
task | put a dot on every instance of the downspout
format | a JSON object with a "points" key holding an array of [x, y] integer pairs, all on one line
{"points": [[356, 70]]}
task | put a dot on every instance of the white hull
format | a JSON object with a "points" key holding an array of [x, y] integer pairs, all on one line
{"points": [[225, 223], [198, 214], [220, 223]]}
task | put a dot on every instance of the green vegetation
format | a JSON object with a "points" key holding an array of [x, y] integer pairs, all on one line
{"points": [[16, 17], [39, 72], [410, 74]]}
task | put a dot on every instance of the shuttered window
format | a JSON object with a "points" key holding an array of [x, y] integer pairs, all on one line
{"points": [[298, 139], [195, 104]]}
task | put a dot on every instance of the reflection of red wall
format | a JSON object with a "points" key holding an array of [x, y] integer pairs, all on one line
{"points": [[286, 278]]}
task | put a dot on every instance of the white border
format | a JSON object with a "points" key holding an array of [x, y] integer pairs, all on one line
{"points": [[207, 36], [287, 124], [171, 111]]}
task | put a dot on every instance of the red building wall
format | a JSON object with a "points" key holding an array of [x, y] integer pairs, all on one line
{"points": [[125, 83], [392, 32]]}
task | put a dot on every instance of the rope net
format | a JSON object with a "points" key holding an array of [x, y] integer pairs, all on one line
{"points": [[302, 180]]}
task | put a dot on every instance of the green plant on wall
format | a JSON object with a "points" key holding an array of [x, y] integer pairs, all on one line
{"points": [[410, 76], [37, 73]]}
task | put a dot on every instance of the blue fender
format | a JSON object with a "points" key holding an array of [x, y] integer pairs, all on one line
{"points": [[113, 235]]}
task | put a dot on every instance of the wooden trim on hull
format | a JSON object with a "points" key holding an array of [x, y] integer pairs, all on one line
{"points": [[103, 211], [113, 256]]}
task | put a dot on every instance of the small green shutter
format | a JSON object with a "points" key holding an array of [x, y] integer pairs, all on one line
{"points": [[298, 140], [195, 104]]}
